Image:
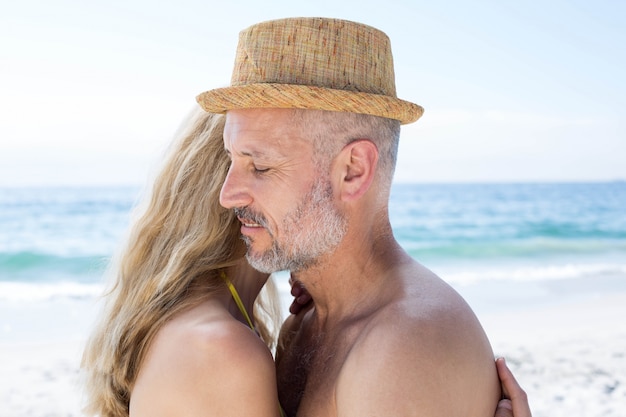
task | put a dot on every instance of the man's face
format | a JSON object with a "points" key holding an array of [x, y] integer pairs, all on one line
{"points": [[286, 207]]}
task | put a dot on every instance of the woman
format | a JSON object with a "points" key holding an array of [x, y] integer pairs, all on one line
{"points": [[172, 339]]}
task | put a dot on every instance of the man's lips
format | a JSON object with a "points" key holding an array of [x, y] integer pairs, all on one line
{"points": [[249, 223]]}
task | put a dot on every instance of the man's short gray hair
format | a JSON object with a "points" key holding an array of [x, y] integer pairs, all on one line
{"points": [[331, 131]]}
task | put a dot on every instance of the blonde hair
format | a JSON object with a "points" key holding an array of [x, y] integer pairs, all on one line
{"points": [[171, 262]]}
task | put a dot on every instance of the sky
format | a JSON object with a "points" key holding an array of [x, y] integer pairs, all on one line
{"points": [[91, 92]]}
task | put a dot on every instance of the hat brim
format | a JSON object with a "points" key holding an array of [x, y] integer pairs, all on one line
{"points": [[294, 96]]}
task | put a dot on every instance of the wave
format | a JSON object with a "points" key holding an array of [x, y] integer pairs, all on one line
{"points": [[528, 273], [11, 291], [535, 248], [36, 266], [37, 292]]}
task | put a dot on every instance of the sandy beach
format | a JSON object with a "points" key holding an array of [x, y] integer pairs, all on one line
{"points": [[570, 358]]}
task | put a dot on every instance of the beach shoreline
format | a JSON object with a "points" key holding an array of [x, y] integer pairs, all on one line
{"points": [[569, 356]]}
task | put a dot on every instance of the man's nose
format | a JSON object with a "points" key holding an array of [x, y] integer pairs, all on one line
{"points": [[234, 191]]}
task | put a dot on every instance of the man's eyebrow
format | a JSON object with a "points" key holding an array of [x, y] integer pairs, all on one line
{"points": [[253, 153]]}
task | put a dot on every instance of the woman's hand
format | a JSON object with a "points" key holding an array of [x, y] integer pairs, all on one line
{"points": [[302, 299], [302, 303], [515, 401]]}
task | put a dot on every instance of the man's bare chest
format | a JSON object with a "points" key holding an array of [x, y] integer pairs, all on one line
{"points": [[308, 373]]}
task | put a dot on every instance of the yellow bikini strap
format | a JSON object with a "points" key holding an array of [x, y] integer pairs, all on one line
{"points": [[239, 303], [237, 299]]}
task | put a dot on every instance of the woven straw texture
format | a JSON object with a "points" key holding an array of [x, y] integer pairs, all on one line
{"points": [[313, 63]]}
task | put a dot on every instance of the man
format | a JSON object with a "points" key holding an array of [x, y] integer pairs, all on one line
{"points": [[312, 128]]}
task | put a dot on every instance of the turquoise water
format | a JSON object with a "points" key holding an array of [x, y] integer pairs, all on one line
{"points": [[514, 231], [55, 242], [502, 246]]}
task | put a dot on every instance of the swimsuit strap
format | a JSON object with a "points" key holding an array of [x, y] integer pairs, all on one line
{"points": [[241, 307], [237, 299]]}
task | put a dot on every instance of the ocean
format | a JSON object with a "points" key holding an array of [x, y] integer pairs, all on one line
{"points": [[502, 246]]}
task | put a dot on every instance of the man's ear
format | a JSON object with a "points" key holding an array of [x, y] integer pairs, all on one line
{"points": [[357, 163]]}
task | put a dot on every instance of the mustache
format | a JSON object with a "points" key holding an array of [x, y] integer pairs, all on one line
{"points": [[248, 214]]}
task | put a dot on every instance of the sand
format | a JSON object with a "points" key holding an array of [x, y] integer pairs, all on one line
{"points": [[569, 357]]}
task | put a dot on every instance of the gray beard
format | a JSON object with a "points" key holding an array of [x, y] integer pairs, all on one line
{"points": [[302, 248]]}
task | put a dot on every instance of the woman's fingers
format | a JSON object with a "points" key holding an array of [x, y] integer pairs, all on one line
{"points": [[515, 402]]}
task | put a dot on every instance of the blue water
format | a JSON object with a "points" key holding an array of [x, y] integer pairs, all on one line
{"points": [[55, 242], [514, 231]]}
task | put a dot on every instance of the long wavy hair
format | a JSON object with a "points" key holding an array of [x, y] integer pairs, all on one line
{"points": [[180, 241]]}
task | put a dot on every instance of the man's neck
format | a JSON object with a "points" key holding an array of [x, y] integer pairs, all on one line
{"points": [[354, 278]]}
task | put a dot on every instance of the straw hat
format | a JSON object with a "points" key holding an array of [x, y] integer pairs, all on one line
{"points": [[313, 63]]}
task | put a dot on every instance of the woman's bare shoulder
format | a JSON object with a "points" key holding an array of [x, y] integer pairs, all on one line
{"points": [[200, 362]]}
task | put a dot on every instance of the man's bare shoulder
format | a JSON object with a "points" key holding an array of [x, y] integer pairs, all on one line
{"points": [[415, 351], [429, 318], [204, 366]]}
